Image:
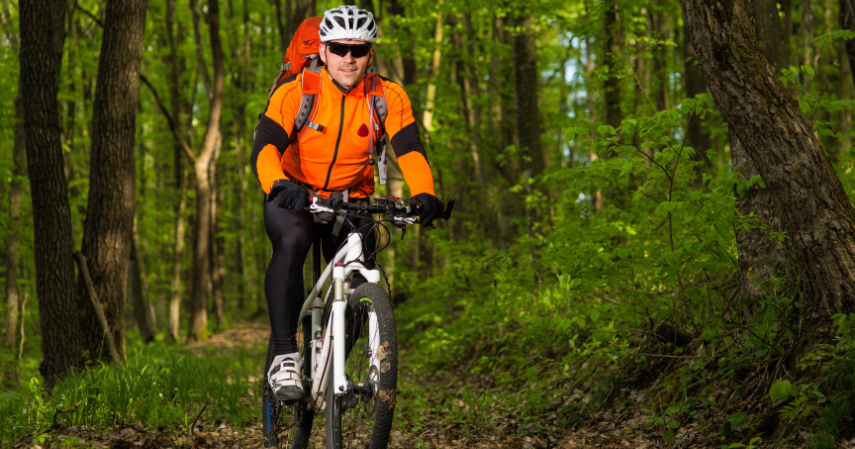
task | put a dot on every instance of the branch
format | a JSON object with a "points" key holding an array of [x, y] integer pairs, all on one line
{"points": [[99, 310], [192, 426], [91, 16], [67, 410], [172, 125]]}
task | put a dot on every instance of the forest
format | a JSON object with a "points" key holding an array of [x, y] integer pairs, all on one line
{"points": [[653, 242]]}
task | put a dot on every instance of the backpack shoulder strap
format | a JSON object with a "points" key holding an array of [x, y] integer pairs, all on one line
{"points": [[311, 87]]}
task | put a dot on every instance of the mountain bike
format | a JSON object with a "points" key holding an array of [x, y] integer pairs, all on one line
{"points": [[347, 341]]}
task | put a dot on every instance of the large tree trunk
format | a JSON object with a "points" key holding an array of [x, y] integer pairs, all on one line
{"points": [[13, 240], [203, 161], [760, 254], [809, 196], [41, 57], [108, 230]]}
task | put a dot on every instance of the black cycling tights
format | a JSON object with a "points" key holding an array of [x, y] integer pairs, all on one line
{"points": [[291, 235]]}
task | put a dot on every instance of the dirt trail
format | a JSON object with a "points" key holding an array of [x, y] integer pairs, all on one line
{"points": [[432, 429]]}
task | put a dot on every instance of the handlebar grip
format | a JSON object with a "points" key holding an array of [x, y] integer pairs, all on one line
{"points": [[418, 207]]}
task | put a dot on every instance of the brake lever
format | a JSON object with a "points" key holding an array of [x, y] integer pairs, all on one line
{"points": [[449, 207]]}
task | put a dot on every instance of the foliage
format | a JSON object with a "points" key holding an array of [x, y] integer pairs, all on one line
{"points": [[160, 387]]}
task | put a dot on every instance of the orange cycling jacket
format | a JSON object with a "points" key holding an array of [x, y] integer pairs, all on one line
{"points": [[335, 158]]}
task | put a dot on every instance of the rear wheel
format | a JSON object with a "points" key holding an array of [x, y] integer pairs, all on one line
{"points": [[286, 426], [362, 418]]}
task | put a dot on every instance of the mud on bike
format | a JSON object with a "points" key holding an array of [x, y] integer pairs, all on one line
{"points": [[347, 341]]}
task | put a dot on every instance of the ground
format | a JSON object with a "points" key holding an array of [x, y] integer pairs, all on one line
{"points": [[626, 427]]}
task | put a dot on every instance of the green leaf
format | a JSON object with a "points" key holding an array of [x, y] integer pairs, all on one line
{"points": [[605, 129], [808, 70], [570, 136], [595, 314], [780, 390]]}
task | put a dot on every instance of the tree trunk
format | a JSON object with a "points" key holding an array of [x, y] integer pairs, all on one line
{"points": [[141, 303], [174, 95], [215, 248], [108, 229], [660, 61], [847, 22], [202, 163], [611, 85], [177, 256], [809, 196], [280, 23], [590, 92], [41, 57], [770, 31], [526, 80], [694, 84], [761, 255], [13, 240]]}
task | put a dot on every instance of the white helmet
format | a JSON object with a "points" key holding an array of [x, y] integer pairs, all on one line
{"points": [[348, 22]]}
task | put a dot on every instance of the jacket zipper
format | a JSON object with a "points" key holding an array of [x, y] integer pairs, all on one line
{"points": [[337, 142]]}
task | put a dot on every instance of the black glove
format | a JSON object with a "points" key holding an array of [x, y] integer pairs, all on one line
{"points": [[288, 194], [428, 207]]}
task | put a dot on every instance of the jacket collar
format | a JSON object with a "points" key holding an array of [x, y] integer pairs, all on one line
{"points": [[357, 88]]}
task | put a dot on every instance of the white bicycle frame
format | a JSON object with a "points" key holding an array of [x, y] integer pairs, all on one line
{"points": [[320, 351]]}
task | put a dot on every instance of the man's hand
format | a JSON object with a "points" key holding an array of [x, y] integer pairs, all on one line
{"points": [[428, 207], [288, 195]]}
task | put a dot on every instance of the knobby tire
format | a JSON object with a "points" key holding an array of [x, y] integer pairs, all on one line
{"points": [[369, 423]]}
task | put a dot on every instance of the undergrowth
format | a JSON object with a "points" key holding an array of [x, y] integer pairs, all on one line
{"points": [[627, 307], [160, 386]]}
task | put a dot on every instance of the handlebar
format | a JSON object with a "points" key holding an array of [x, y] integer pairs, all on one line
{"points": [[395, 208]]}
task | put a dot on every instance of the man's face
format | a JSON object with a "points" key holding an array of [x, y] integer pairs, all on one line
{"points": [[346, 70]]}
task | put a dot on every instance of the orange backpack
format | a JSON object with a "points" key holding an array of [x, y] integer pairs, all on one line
{"points": [[302, 51]]}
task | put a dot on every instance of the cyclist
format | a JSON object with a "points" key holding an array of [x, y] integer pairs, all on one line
{"points": [[331, 156]]}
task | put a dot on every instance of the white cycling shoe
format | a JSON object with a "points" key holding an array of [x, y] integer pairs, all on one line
{"points": [[284, 378]]}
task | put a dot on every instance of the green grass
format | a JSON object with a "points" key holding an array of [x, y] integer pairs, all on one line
{"points": [[160, 386]]}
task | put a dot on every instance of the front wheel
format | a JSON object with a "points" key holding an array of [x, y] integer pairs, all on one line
{"points": [[363, 416]]}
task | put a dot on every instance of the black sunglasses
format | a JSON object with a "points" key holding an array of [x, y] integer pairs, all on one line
{"points": [[358, 51]]}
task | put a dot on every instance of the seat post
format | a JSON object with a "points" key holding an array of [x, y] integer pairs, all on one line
{"points": [[316, 258]]}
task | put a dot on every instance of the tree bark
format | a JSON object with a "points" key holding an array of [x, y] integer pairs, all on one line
{"points": [[177, 256], [761, 255], [108, 229], [40, 58], [202, 163], [280, 23], [770, 31], [660, 62], [695, 84], [847, 22], [216, 246], [526, 81], [174, 94], [13, 239], [141, 304], [809, 196], [611, 85]]}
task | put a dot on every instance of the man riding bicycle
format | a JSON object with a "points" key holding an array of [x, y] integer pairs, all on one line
{"points": [[331, 154]]}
